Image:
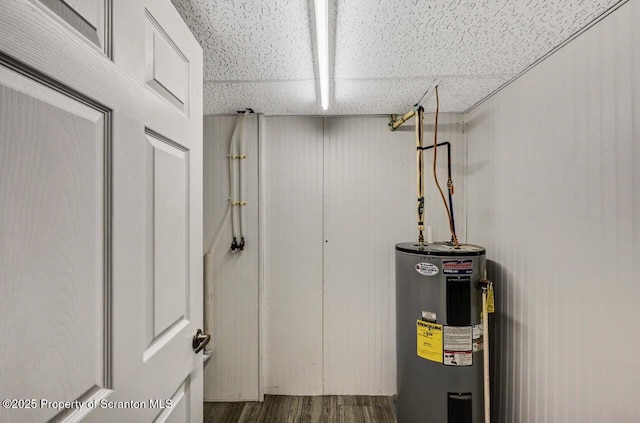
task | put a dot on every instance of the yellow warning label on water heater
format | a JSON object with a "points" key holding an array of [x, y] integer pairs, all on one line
{"points": [[429, 340], [491, 308]]}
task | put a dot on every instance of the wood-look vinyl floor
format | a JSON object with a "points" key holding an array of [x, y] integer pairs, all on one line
{"points": [[289, 409]]}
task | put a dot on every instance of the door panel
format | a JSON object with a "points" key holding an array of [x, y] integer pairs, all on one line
{"points": [[167, 212], [52, 238], [180, 408], [90, 18], [166, 67]]}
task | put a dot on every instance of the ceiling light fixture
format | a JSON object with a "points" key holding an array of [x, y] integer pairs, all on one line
{"points": [[322, 43]]}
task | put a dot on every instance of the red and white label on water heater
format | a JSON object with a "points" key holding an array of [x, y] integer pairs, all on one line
{"points": [[457, 267], [457, 345]]}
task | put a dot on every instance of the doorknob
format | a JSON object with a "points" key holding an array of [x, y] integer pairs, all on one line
{"points": [[200, 340]]}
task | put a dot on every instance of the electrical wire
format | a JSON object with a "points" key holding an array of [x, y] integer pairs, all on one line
{"points": [[431, 87], [435, 174]]}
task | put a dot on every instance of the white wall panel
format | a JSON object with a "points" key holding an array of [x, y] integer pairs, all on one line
{"points": [[293, 255], [554, 195], [369, 202], [53, 263], [232, 372], [330, 317]]}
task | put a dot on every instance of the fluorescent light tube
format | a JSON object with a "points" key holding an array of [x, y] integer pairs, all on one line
{"points": [[322, 38]]}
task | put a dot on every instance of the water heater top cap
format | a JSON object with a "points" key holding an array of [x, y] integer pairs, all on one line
{"points": [[440, 249]]}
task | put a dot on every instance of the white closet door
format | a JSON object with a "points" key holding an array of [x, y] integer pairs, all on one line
{"points": [[369, 197], [100, 211], [293, 256]]}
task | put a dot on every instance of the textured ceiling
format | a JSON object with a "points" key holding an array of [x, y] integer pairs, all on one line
{"points": [[260, 53]]}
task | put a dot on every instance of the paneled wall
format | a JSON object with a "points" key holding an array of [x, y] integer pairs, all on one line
{"points": [[369, 206], [293, 255], [232, 373], [554, 195], [339, 193], [369, 195]]}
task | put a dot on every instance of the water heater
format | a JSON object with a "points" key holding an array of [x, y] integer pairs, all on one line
{"points": [[439, 333]]}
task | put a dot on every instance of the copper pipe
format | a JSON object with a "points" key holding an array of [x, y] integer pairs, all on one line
{"points": [[420, 172], [454, 238]]}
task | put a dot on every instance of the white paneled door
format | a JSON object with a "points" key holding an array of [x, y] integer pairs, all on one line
{"points": [[100, 212]]}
